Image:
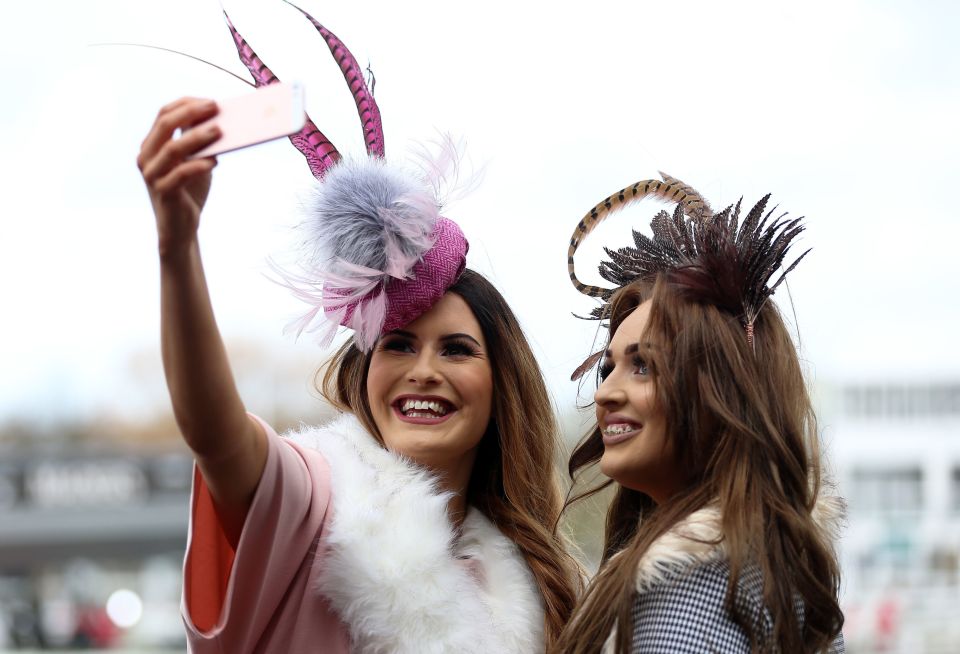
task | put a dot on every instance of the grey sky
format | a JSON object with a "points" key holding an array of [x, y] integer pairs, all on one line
{"points": [[845, 111]]}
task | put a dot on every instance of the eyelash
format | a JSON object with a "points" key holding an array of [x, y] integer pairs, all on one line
{"points": [[605, 371], [638, 362], [396, 345], [450, 348], [460, 348]]}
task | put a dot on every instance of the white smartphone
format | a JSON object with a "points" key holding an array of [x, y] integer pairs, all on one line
{"points": [[270, 112]]}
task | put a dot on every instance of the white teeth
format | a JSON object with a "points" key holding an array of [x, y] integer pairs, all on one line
{"points": [[618, 429], [409, 406]]}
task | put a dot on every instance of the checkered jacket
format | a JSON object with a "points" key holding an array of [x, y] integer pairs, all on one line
{"points": [[680, 606]]}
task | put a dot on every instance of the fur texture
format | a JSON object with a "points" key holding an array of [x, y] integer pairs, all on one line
{"points": [[697, 540], [397, 573], [370, 223], [367, 213]]}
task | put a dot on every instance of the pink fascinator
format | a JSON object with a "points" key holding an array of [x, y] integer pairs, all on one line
{"points": [[376, 252]]}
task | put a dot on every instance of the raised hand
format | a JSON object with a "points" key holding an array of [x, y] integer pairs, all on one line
{"points": [[178, 186], [229, 448]]}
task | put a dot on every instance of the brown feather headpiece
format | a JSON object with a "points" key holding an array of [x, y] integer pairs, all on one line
{"points": [[713, 258]]}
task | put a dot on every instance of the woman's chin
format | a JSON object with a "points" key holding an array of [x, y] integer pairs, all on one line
{"points": [[429, 450], [619, 468], [609, 467]]}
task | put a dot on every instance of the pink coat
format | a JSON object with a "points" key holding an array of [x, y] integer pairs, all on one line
{"points": [[265, 591], [385, 572]]}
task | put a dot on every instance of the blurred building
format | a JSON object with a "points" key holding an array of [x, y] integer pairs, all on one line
{"points": [[895, 449], [91, 541], [94, 512], [90, 549]]}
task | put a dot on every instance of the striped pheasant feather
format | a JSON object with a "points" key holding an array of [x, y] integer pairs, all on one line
{"points": [[669, 190], [310, 141], [366, 105], [716, 260], [719, 261]]}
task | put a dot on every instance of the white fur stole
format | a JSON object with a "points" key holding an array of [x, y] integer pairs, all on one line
{"points": [[391, 569]]}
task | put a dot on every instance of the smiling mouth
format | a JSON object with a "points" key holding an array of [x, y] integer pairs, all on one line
{"points": [[423, 411], [618, 432]]}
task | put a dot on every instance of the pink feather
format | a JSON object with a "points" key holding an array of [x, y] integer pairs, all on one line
{"points": [[368, 318], [310, 141], [366, 105]]}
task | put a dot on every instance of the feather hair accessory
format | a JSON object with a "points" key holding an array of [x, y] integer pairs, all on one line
{"points": [[376, 252], [711, 258]]}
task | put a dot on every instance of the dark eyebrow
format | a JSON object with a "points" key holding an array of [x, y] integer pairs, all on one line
{"points": [[633, 348], [451, 337], [445, 337]]}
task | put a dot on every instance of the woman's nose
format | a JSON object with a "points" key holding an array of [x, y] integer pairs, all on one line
{"points": [[609, 394], [424, 370]]}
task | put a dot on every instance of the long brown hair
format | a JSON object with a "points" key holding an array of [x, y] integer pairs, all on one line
{"points": [[513, 482], [744, 433]]}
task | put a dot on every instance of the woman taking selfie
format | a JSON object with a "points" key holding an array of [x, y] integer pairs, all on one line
{"points": [[419, 520], [720, 536]]}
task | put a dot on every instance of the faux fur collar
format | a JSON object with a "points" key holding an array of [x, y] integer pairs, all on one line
{"points": [[395, 571], [697, 540]]}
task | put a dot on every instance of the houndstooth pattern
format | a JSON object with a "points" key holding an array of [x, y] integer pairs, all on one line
{"points": [[687, 613]]}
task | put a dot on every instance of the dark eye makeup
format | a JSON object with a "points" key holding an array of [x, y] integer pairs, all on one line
{"points": [[605, 370], [638, 363], [460, 347], [394, 343]]}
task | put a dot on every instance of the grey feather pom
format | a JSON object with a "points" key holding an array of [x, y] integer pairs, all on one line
{"points": [[369, 214]]}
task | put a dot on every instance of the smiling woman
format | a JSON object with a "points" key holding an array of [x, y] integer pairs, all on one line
{"points": [[422, 518], [460, 391], [720, 536], [434, 373], [636, 450]]}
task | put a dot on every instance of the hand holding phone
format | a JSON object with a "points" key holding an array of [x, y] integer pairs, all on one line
{"points": [[270, 112]]}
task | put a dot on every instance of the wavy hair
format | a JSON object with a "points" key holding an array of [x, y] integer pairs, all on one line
{"points": [[513, 482], [744, 433]]}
